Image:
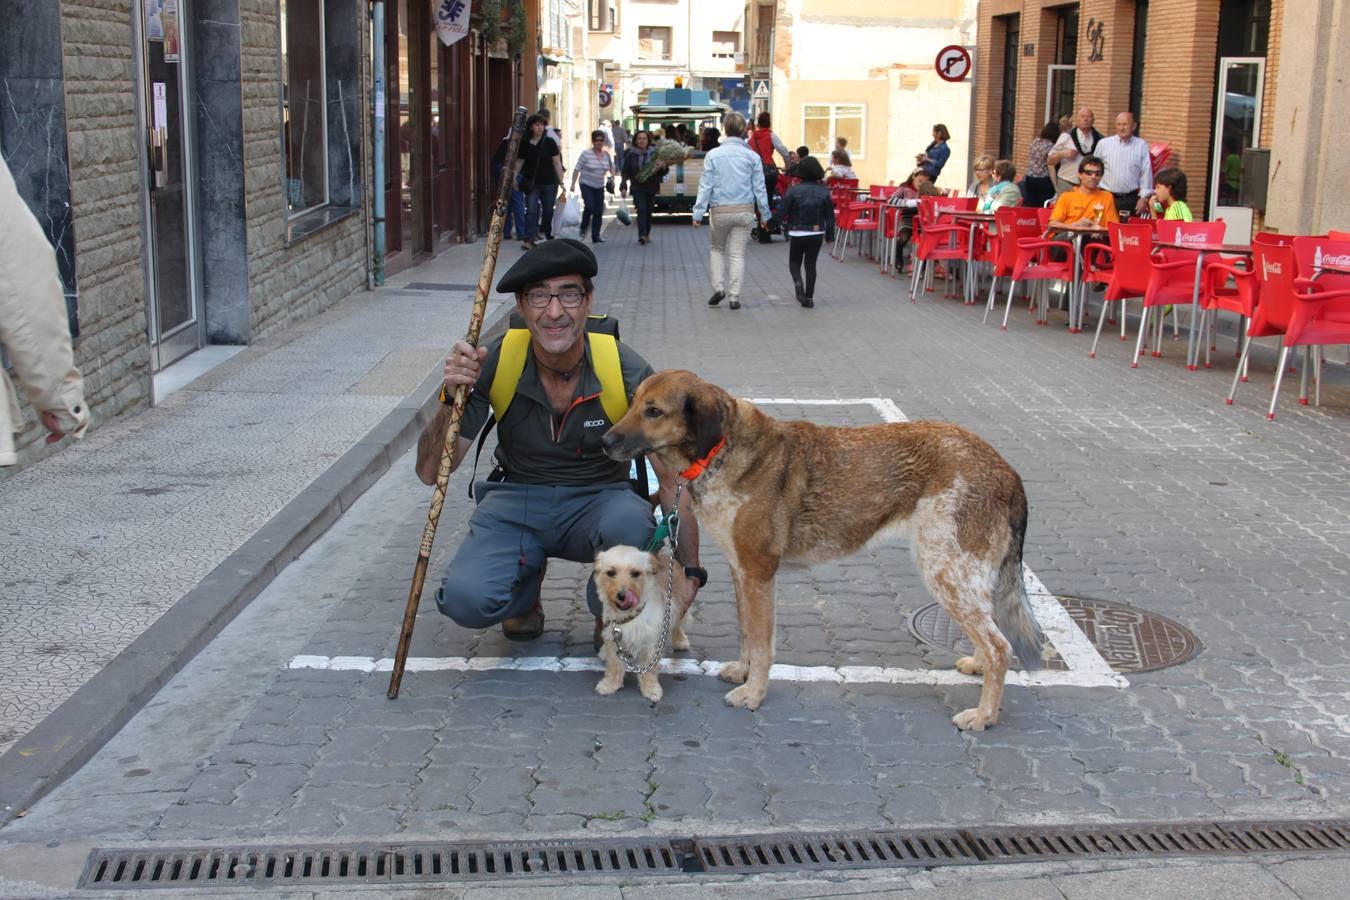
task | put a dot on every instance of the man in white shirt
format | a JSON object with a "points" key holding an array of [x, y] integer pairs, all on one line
{"points": [[1129, 171], [1072, 146]]}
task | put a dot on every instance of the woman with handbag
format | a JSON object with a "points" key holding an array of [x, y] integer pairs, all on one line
{"points": [[595, 170], [635, 160], [539, 171]]}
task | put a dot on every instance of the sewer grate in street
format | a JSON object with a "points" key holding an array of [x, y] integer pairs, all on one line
{"points": [[437, 286], [1129, 639], [216, 868]]}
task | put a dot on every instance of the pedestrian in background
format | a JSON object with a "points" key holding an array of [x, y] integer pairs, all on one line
{"points": [[730, 191], [711, 140], [765, 143], [1038, 187], [515, 208], [644, 192], [594, 168], [34, 329], [936, 154], [621, 142], [806, 213], [540, 172]]}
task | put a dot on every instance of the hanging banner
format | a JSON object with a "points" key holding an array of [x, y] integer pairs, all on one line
{"points": [[452, 19]]}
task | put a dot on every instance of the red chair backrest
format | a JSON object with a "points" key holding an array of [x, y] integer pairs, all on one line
{"points": [[1339, 235], [1276, 268], [1043, 214], [1272, 238], [1159, 152], [1132, 246], [1015, 223], [882, 191], [1314, 252]]}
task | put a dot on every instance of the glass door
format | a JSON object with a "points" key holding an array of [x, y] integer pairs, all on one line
{"points": [[173, 301], [1237, 126], [1059, 86]]}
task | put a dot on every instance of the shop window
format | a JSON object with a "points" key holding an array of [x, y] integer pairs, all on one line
{"points": [[822, 123], [654, 42], [304, 104], [726, 44]]}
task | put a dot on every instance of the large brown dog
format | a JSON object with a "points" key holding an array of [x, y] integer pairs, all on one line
{"points": [[776, 493]]}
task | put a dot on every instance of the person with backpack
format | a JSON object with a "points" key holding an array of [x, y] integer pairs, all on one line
{"points": [[763, 141], [555, 382], [539, 172], [807, 214]]}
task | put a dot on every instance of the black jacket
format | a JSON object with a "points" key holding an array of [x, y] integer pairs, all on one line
{"points": [[632, 164], [806, 207]]}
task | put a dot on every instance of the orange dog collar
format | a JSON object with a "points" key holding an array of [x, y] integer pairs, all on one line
{"points": [[697, 467]]}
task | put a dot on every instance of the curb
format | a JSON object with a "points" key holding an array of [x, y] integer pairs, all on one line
{"points": [[77, 729]]}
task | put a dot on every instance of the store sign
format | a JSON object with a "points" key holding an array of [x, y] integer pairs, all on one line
{"points": [[452, 19]]}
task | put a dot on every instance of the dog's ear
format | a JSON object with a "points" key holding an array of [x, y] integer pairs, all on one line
{"points": [[705, 415]]}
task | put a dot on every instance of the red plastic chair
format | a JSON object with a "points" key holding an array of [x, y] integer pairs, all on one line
{"points": [[938, 240], [1130, 253], [1013, 224], [1339, 235], [859, 217], [1308, 315], [882, 191], [1159, 152], [1033, 263], [1314, 252]]}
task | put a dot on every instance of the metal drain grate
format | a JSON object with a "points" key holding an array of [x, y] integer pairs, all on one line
{"points": [[372, 864], [206, 867]]}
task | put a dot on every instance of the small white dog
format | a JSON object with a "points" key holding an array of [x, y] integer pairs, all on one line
{"points": [[633, 589]]}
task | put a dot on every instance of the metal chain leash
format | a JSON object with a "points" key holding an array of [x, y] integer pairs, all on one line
{"points": [[673, 518]]}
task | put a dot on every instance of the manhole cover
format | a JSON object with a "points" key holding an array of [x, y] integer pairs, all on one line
{"points": [[1129, 639]]}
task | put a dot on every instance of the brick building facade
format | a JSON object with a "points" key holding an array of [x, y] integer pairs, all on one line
{"points": [[1160, 59]]}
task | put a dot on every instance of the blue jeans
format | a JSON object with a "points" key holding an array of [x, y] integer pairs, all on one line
{"points": [[539, 211], [516, 528], [594, 211]]}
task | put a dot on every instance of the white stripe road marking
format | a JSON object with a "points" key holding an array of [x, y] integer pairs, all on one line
{"points": [[779, 672]]}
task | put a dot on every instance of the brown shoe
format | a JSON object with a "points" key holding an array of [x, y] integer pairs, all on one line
{"points": [[526, 627]]}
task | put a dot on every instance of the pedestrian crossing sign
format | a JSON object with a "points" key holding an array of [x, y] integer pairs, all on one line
{"points": [[761, 90]]}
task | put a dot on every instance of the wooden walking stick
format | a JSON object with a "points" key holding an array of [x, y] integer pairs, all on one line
{"points": [[494, 240]]}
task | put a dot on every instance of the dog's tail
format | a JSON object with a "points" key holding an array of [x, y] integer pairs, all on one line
{"points": [[1012, 606]]}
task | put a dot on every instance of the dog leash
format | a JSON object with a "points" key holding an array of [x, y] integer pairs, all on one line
{"points": [[669, 527]]}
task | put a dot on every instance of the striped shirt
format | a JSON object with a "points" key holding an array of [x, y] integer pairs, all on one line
{"points": [[593, 167], [1128, 167]]}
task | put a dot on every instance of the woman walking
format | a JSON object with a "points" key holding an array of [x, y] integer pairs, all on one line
{"points": [[806, 213], [593, 168], [638, 156], [539, 171]]}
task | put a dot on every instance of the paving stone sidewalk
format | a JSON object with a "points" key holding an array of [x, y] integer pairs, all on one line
{"points": [[1144, 488]]}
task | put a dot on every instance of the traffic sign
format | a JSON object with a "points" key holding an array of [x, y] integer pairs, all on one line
{"points": [[953, 63], [761, 90], [606, 98]]}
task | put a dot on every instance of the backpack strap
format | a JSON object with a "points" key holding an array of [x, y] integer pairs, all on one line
{"points": [[515, 345], [605, 358], [602, 333]]}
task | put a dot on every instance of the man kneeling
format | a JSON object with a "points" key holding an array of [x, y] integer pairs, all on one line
{"points": [[557, 495]]}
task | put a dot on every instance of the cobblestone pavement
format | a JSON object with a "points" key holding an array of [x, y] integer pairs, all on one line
{"points": [[1144, 488], [100, 539]]}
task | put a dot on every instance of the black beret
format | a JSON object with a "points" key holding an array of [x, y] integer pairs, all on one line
{"points": [[561, 256]]}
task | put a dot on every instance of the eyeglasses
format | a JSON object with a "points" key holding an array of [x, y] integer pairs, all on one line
{"points": [[570, 298], [1095, 173]]}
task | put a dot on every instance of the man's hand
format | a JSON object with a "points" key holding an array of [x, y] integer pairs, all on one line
{"points": [[696, 222], [464, 364], [53, 425], [1142, 205]]}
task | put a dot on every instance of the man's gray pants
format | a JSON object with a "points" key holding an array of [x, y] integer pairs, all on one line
{"points": [[516, 528]]}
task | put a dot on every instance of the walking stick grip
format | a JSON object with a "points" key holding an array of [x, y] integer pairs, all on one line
{"points": [[494, 241]]}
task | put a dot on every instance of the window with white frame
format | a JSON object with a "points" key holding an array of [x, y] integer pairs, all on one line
{"points": [[726, 44], [823, 123], [654, 42], [304, 104]]}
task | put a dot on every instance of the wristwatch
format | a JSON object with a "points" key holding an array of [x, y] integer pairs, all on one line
{"points": [[697, 572]]}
